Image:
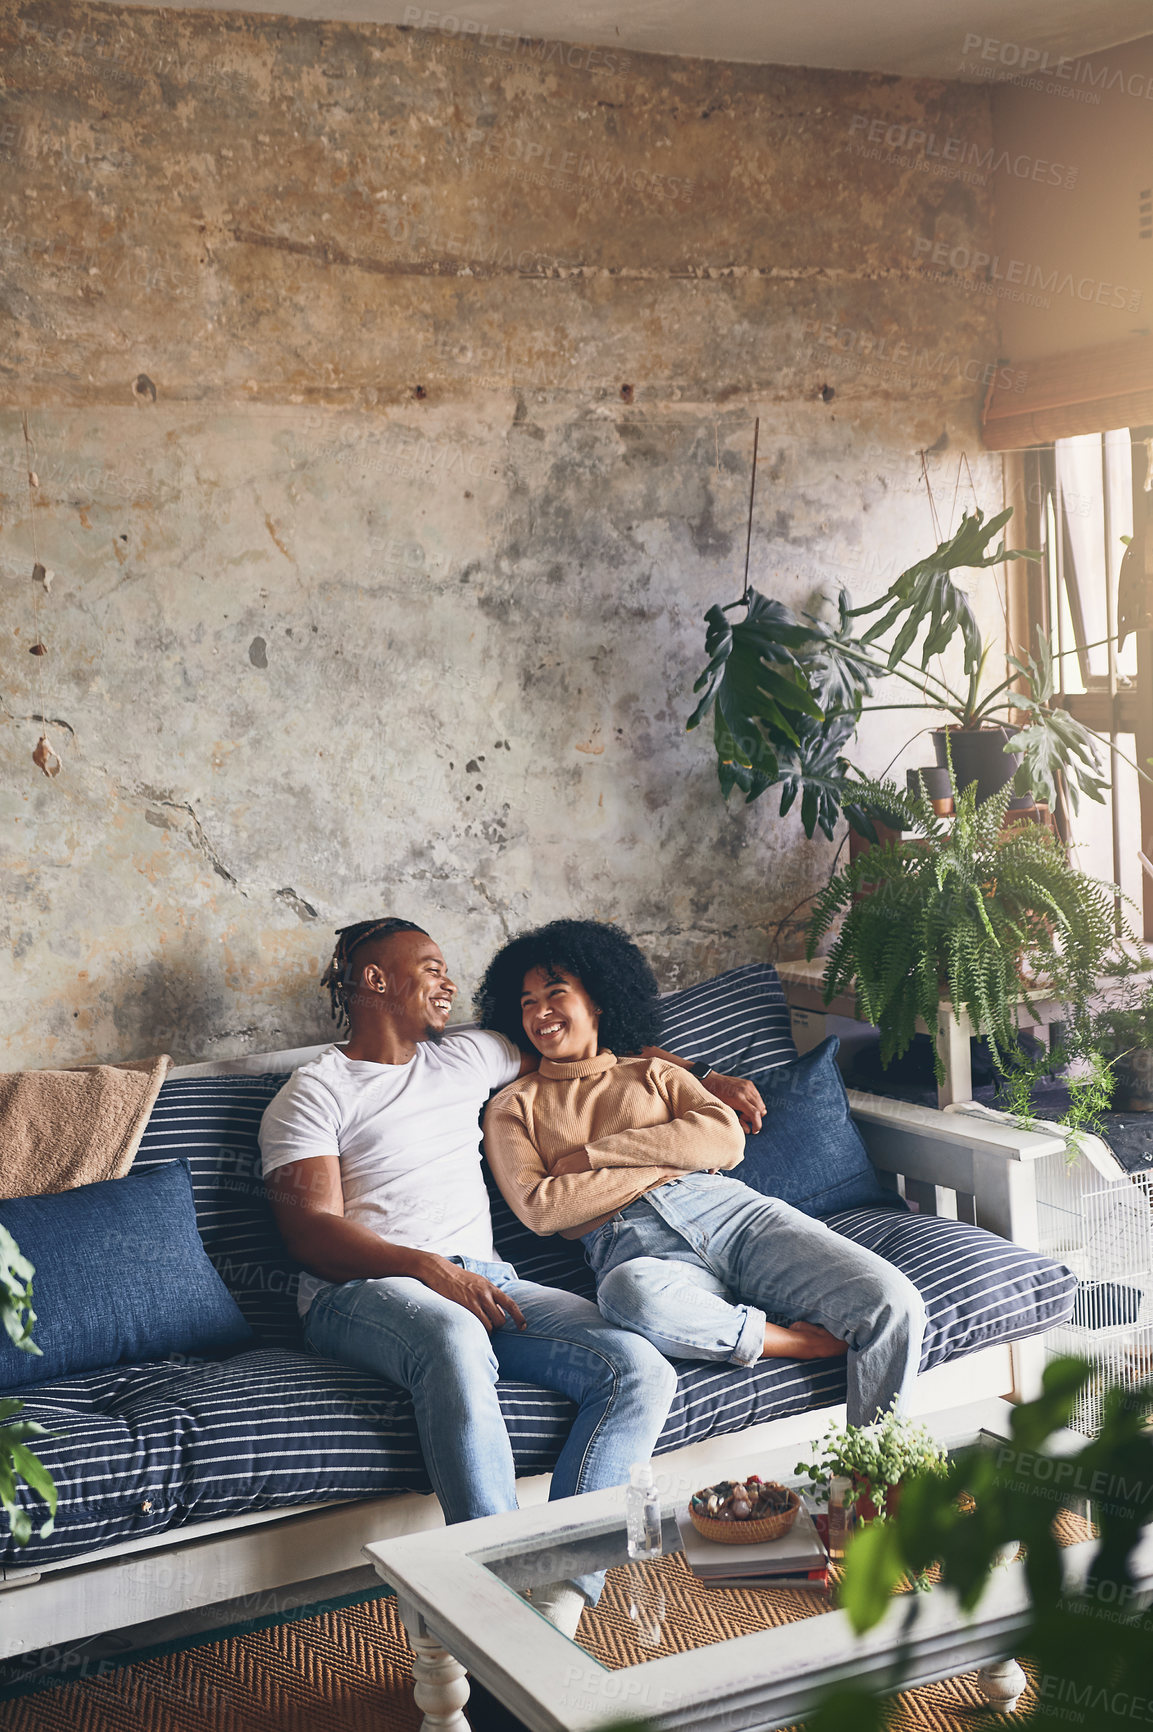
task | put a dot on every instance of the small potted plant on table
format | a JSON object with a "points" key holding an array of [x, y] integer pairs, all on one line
{"points": [[875, 1459]]}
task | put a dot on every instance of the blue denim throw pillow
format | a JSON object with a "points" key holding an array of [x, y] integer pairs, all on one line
{"points": [[808, 1152], [121, 1277]]}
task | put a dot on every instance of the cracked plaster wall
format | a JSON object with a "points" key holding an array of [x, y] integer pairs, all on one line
{"points": [[392, 408]]}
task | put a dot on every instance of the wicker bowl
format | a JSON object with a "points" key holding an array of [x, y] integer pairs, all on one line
{"points": [[746, 1533]]}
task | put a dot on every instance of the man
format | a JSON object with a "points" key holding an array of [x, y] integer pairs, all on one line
{"points": [[372, 1161]]}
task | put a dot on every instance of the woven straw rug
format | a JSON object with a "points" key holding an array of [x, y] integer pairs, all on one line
{"points": [[349, 1670]]}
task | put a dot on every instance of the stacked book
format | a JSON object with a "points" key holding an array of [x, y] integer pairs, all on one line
{"points": [[797, 1559]]}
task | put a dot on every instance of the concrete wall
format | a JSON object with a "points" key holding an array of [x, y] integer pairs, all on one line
{"points": [[1073, 220], [391, 402]]}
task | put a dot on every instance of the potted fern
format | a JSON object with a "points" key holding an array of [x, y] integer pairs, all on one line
{"points": [[1123, 1032], [963, 909]]}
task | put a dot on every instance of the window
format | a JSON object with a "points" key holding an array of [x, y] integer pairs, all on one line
{"points": [[1090, 586]]}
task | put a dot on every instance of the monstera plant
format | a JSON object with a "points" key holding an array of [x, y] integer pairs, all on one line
{"points": [[787, 691]]}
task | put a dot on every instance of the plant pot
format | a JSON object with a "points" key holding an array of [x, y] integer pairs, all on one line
{"points": [[979, 756], [863, 1504], [1134, 1073], [935, 784]]}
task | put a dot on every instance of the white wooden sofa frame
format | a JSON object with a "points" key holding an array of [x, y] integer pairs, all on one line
{"points": [[967, 1168]]}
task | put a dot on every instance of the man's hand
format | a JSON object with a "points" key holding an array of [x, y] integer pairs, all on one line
{"points": [[739, 1094], [465, 1287]]}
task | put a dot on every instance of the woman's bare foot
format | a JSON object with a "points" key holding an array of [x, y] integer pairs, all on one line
{"points": [[801, 1341]]}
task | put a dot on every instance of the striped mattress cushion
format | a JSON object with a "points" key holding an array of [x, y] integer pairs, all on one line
{"points": [[137, 1450], [977, 1287]]}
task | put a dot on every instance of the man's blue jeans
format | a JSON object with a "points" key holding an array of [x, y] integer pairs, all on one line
{"points": [[399, 1329], [697, 1265]]}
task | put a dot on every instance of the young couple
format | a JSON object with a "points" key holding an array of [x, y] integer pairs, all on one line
{"points": [[371, 1161]]}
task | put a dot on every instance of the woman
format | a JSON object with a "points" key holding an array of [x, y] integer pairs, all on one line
{"points": [[629, 1153]]}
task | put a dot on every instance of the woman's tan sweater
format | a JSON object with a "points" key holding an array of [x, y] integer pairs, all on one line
{"points": [[640, 1121]]}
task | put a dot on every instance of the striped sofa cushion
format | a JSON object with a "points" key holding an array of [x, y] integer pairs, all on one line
{"points": [[739, 1021], [977, 1288], [136, 1450], [139, 1450]]}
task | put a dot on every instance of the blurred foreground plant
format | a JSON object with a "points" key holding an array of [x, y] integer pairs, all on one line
{"points": [[16, 1459], [1092, 1646]]}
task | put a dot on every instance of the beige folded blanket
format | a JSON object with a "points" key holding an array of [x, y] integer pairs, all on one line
{"points": [[64, 1128]]}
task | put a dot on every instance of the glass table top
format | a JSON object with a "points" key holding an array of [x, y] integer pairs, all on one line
{"points": [[653, 1608], [658, 1607]]}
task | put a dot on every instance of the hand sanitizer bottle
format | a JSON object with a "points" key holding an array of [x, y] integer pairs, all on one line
{"points": [[643, 1514]]}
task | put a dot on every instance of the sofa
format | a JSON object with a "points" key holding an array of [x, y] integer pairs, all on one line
{"points": [[189, 1480]]}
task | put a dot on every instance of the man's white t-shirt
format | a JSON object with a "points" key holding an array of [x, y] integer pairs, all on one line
{"points": [[407, 1137]]}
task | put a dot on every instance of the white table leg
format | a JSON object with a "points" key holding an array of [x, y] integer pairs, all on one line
{"points": [[441, 1681], [953, 1046], [1001, 1684]]}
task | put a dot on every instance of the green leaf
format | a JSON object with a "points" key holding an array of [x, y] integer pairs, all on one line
{"points": [[874, 1564], [840, 671], [848, 1708], [818, 772], [1061, 1383], [925, 594], [32, 1469], [1053, 743], [758, 689], [16, 1311]]}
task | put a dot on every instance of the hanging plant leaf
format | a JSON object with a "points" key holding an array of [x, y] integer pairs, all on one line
{"points": [[925, 592], [818, 773], [759, 688], [1053, 744], [751, 772], [840, 671]]}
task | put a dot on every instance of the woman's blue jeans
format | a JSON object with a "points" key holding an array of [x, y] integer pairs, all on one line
{"points": [[698, 1265], [399, 1329]]}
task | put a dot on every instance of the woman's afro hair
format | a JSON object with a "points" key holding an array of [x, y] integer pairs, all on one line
{"points": [[604, 959]]}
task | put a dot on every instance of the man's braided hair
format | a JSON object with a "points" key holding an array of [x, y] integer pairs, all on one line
{"points": [[340, 975]]}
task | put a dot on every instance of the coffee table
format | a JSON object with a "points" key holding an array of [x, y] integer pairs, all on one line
{"points": [[458, 1591]]}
